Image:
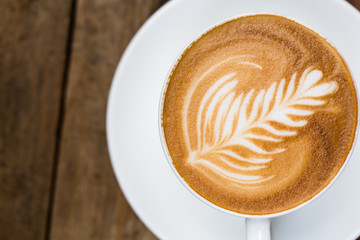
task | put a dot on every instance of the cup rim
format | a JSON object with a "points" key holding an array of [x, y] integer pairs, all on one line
{"points": [[182, 180]]}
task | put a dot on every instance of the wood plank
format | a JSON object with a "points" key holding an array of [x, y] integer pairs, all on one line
{"points": [[88, 201], [33, 39], [355, 3]]}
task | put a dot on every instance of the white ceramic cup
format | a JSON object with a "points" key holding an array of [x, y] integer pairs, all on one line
{"points": [[257, 226]]}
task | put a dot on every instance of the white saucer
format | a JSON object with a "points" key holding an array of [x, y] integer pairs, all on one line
{"points": [[141, 168]]}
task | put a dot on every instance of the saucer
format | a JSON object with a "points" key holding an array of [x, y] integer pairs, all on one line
{"points": [[168, 209]]}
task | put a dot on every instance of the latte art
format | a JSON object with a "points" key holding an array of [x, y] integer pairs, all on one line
{"points": [[223, 122], [259, 114]]}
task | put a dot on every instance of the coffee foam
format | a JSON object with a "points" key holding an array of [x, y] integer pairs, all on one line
{"points": [[224, 113], [246, 108]]}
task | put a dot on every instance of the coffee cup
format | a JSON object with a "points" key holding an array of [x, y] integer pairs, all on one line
{"points": [[258, 118]]}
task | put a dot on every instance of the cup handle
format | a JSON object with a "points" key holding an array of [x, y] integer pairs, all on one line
{"points": [[258, 228]]}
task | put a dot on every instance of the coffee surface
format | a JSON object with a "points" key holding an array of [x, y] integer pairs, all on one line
{"points": [[259, 114]]}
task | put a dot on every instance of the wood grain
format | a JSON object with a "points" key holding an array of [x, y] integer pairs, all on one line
{"points": [[88, 202], [355, 3], [33, 38]]}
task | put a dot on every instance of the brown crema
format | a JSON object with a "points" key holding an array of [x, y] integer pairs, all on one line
{"points": [[259, 114]]}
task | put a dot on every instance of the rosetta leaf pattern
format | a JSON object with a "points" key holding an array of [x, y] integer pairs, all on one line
{"points": [[226, 118]]}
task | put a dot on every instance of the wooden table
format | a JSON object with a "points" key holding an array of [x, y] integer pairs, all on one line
{"points": [[57, 60]]}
